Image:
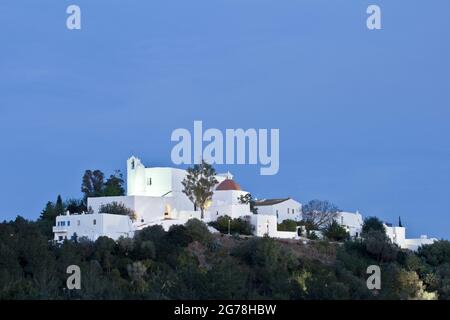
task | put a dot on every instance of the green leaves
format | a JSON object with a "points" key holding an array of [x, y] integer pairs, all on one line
{"points": [[198, 185], [93, 184]]}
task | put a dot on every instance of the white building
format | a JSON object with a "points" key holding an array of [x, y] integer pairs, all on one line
{"points": [[283, 209], [225, 201], [266, 225], [398, 237], [352, 222], [155, 195], [92, 226]]}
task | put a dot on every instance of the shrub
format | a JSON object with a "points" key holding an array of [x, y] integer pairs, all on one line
{"points": [[312, 236], [335, 232], [239, 225], [198, 231], [117, 208], [287, 225], [372, 224]]}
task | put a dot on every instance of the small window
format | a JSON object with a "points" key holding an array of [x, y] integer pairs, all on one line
{"points": [[68, 223], [288, 210], [78, 222], [60, 238], [149, 181], [293, 211], [94, 222]]}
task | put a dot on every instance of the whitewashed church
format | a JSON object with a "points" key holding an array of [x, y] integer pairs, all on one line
{"points": [[155, 196]]}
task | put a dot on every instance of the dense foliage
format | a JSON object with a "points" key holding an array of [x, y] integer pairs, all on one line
{"points": [[335, 232], [198, 185], [287, 225], [188, 262], [117, 208], [94, 184], [225, 224]]}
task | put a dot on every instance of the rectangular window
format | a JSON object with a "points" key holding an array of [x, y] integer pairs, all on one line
{"points": [[94, 221], [78, 222], [292, 210], [60, 238], [288, 210], [149, 181], [68, 223]]}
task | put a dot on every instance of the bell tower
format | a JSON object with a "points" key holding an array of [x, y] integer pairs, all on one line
{"points": [[135, 177]]}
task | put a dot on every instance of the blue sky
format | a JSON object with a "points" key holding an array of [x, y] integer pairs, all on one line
{"points": [[363, 115]]}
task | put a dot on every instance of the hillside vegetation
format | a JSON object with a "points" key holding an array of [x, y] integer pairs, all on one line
{"points": [[188, 262]]}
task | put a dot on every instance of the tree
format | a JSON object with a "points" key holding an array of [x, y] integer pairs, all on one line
{"points": [[75, 206], [59, 206], [198, 231], [92, 184], [271, 265], [335, 232], [48, 216], [319, 213], [117, 208], [379, 246], [114, 186], [198, 185], [239, 225], [248, 199], [287, 225], [372, 224], [435, 254]]}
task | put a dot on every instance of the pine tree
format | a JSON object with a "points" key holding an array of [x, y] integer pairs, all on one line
{"points": [[59, 206]]}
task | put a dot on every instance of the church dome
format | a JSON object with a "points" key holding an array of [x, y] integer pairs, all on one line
{"points": [[228, 184]]}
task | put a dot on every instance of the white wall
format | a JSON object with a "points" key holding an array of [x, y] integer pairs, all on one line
{"points": [[396, 234], [287, 235], [414, 244], [264, 225], [146, 208], [157, 181], [92, 226], [289, 209], [353, 222], [398, 237]]}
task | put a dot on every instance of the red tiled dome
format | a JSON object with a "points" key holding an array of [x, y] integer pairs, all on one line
{"points": [[228, 184]]}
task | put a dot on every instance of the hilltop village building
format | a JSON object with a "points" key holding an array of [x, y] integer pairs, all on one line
{"points": [[156, 197]]}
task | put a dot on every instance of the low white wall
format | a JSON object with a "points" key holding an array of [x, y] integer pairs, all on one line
{"points": [[414, 244], [92, 226], [286, 235], [264, 225]]}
